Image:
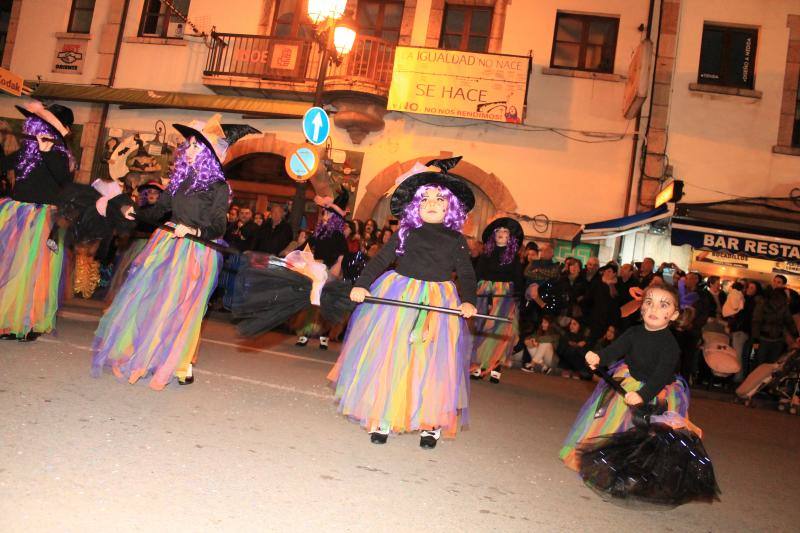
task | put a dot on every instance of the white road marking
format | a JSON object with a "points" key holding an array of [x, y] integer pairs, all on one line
{"points": [[264, 350], [285, 388]]}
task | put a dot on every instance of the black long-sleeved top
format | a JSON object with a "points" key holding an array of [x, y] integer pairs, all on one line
{"points": [[489, 268], [272, 239], [432, 253], [205, 210], [45, 181], [652, 357]]}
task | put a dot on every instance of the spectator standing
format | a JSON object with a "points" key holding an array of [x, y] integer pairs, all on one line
{"points": [[275, 234], [573, 286], [646, 271], [603, 303], [542, 292], [242, 233], [772, 321]]}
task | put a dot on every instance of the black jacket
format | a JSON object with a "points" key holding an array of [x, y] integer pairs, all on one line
{"points": [[771, 318], [273, 239], [206, 210], [44, 183]]}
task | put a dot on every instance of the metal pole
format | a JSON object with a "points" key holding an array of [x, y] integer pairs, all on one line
{"points": [[299, 201]]}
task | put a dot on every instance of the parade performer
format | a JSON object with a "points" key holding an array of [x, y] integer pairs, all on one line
{"points": [[30, 273], [329, 246], [612, 443], [499, 287], [149, 193], [402, 369], [153, 325]]}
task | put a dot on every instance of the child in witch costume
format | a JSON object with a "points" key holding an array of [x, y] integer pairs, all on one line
{"points": [[153, 326], [401, 369], [499, 286], [30, 273], [651, 356], [329, 246]]}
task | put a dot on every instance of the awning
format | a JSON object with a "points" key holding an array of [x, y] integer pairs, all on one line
{"points": [[617, 227], [767, 228], [165, 99]]}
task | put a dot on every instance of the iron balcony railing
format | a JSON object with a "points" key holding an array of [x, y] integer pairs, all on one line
{"points": [[298, 60]]}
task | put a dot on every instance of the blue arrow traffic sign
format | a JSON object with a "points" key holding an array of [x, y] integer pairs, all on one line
{"points": [[316, 125], [302, 164]]}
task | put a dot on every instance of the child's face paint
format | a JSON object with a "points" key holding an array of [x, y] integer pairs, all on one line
{"points": [[658, 309], [433, 206]]}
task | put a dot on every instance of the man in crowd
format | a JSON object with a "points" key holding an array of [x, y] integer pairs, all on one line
{"points": [[646, 272], [275, 234], [241, 234]]}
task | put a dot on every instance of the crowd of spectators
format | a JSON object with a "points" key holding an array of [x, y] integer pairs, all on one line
{"points": [[568, 308]]}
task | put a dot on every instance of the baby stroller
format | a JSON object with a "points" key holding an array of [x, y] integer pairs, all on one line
{"points": [[781, 379], [720, 357]]}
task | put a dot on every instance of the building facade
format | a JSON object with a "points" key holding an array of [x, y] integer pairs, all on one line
{"points": [[719, 84]]}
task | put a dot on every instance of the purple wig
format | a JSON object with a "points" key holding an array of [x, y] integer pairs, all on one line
{"points": [[31, 156], [202, 173], [510, 250], [332, 225], [454, 217]]}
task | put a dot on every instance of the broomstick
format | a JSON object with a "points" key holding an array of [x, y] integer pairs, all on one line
{"points": [[446, 310]]}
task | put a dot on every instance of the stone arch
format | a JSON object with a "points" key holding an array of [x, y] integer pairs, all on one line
{"points": [[270, 143], [384, 180]]}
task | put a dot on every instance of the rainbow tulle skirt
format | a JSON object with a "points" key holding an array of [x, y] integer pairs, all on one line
{"points": [[494, 340], [153, 326], [123, 266], [606, 413], [404, 369], [30, 273]]}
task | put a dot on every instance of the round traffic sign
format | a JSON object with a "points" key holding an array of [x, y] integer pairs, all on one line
{"points": [[316, 125], [302, 164]]}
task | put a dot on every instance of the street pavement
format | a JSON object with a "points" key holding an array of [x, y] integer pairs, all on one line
{"points": [[255, 444]]}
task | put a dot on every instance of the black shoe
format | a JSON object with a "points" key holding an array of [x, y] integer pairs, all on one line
{"points": [[378, 438], [188, 380], [476, 374], [301, 341], [494, 376], [323, 343], [428, 439], [30, 337], [8, 337]]}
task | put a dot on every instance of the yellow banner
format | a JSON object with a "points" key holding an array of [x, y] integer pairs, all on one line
{"points": [[10, 82], [459, 84]]}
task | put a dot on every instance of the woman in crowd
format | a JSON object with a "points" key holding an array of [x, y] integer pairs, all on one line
{"points": [[30, 272], [499, 284], [153, 326]]}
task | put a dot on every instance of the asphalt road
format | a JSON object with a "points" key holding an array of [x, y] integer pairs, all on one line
{"points": [[255, 444]]}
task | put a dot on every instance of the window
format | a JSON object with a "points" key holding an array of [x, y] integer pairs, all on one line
{"points": [[727, 56], [80, 17], [291, 20], [585, 42], [5, 19], [466, 28], [158, 20], [380, 18]]}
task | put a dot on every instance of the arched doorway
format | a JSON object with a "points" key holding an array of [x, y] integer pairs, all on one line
{"points": [[259, 180], [491, 194]]}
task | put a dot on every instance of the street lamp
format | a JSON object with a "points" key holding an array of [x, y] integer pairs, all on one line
{"points": [[336, 38]]}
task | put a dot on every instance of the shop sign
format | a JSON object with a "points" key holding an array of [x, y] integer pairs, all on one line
{"points": [[10, 82], [70, 56], [451, 83], [737, 243]]}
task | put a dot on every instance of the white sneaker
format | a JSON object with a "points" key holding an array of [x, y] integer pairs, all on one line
{"points": [[301, 341], [323, 343]]}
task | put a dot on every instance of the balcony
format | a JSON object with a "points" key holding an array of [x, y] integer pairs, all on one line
{"points": [[255, 65]]}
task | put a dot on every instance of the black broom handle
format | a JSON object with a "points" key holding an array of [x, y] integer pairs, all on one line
{"points": [[229, 250], [447, 310], [610, 381]]}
